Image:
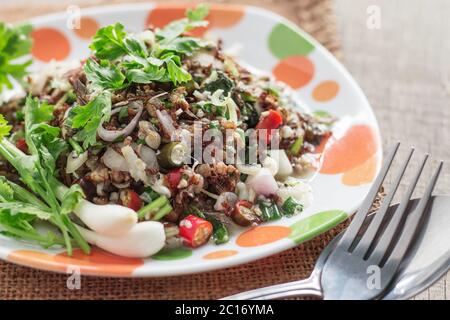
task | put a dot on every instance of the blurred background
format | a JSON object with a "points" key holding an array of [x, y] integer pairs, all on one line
{"points": [[397, 50]]}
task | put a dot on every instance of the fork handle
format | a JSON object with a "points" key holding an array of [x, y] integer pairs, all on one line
{"points": [[300, 288]]}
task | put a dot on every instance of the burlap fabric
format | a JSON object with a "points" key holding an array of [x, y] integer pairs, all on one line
{"points": [[16, 282]]}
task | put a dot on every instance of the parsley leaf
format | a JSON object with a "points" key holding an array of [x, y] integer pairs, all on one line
{"points": [[108, 42], [178, 27], [5, 128], [89, 117], [147, 75], [71, 199], [104, 75], [185, 45], [139, 64], [199, 13], [176, 73], [14, 43]]}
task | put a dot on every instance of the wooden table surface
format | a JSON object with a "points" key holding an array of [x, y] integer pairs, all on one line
{"points": [[404, 69]]}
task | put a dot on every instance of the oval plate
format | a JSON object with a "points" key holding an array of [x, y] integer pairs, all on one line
{"points": [[350, 160]]}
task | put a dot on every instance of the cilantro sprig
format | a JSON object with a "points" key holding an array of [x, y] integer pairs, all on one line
{"points": [[18, 206], [15, 43], [125, 58], [89, 117]]}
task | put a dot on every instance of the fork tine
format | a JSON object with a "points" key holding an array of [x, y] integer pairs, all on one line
{"points": [[365, 243], [411, 224], [360, 216], [383, 244]]}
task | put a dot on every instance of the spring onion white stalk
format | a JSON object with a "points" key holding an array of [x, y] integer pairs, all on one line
{"points": [[108, 219], [143, 240]]}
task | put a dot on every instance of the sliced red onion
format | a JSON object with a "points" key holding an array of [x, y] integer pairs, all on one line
{"points": [[226, 201], [166, 122], [111, 135], [114, 160], [263, 183], [75, 161], [159, 95]]}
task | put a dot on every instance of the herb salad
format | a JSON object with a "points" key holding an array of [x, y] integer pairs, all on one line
{"points": [[105, 151]]}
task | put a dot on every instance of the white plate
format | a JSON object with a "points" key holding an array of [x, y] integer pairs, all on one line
{"points": [[269, 42]]}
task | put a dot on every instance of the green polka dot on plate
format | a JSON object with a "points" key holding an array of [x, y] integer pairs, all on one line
{"points": [[285, 42], [312, 226], [173, 254]]}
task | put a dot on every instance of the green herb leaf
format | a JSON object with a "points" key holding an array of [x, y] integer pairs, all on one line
{"points": [[147, 75], [291, 207], [176, 73], [185, 45], [219, 81], [71, 199], [199, 13], [103, 76], [5, 128], [15, 43], [108, 42], [38, 112], [89, 117], [6, 192], [178, 27]]}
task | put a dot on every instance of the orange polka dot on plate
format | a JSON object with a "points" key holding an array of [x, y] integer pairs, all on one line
{"points": [[49, 43], [225, 16], [220, 254], [220, 16], [99, 262], [356, 146], [88, 28], [296, 71], [362, 174], [262, 235], [165, 13], [325, 91]]}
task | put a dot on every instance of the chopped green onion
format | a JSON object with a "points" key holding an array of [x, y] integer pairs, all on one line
{"points": [[162, 212], [291, 207], [152, 207], [75, 146], [269, 211], [296, 147]]}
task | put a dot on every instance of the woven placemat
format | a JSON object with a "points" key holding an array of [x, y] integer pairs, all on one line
{"points": [[16, 282]]}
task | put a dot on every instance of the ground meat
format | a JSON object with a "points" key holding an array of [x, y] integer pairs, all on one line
{"points": [[101, 174], [177, 98], [58, 114], [219, 177], [119, 176]]}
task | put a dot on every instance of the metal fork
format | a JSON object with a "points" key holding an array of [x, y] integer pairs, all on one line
{"points": [[368, 255]]}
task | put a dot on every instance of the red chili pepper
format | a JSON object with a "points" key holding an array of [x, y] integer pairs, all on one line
{"points": [[131, 200], [195, 231], [272, 121], [21, 144], [174, 178]]}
